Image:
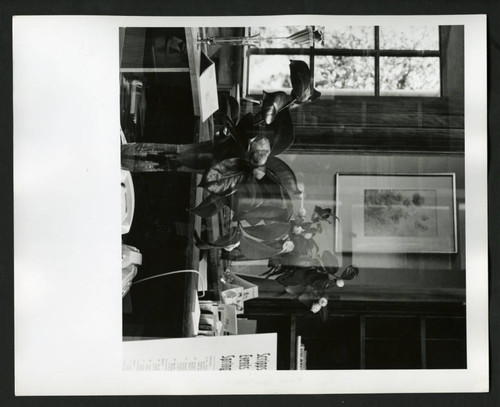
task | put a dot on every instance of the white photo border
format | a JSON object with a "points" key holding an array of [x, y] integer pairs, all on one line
{"points": [[67, 218]]}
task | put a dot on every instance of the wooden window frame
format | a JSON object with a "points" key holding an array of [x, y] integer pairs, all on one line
{"points": [[374, 52]]}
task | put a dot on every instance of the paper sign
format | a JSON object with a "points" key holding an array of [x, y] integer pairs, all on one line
{"points": [[249, 290], [232, 352], [229, 318], [209, 102]]}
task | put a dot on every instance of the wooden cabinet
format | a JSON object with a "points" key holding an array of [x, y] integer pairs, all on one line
{"points": [[366, 335]]}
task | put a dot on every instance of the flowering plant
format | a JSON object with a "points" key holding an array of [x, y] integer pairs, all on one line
{"points": [[240, 170], [240, 167], [245, 175], [303, 271]]}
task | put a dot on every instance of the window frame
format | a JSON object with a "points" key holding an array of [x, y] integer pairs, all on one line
{"points": [[376, 53]]}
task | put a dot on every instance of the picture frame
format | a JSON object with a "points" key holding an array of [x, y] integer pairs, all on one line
{"points": [[395, 213]]}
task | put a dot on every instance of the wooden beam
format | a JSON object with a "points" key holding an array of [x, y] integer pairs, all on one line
{"points": [[154, 70], [194, 55]]}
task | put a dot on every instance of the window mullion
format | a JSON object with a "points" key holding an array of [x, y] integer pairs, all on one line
{"points": [[377, 61], [341, 52]]}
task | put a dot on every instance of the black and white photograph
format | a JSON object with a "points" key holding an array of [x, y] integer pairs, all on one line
{"points": [[232, 139], [297, 204]]}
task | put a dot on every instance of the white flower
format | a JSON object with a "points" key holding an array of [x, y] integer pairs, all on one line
{"points": [[297, 230], [288, 246], [340, 283], [323, 302], [231, 247], [302, 212], [308, 236], [315, 307]]}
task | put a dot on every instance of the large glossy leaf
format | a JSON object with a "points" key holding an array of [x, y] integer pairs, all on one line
{"points": [[295, 290], [273, 231], [246, 197], [306, 298], [284, 173], [233, 255], [263, 212], [277, 192], [225, 147], [223, 178], [349, 273], [318, 264], [280, 132], [272, 103], [198, 156], [302, 84], [232, 237], [295, 260], [273, 271], [301, 245], [235, 144], [209, 206], [229, 106], [245, 130], [268, 201], [309, 97], [253, 250]]}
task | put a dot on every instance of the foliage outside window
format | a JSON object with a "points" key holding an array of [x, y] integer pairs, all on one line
{"points": [[353, 60]]}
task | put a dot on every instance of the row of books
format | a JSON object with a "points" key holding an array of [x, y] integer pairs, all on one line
{"points": [[217, 319]]}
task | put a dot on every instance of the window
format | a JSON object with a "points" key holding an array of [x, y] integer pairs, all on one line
{"points": [[351, 60]]}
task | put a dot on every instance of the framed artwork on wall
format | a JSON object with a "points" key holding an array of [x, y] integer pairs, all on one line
{"points": [[395, 213]]}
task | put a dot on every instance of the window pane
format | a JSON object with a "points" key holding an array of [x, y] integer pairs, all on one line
{"points": [[344, 74], [270, 72], [409, 37], [276, 37], [409, 75], [348, 37]]}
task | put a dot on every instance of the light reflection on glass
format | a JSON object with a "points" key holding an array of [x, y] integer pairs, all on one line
{"points": [[409, 37]]}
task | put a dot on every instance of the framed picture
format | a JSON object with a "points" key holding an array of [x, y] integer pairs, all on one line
{"points": [[395, 213]]}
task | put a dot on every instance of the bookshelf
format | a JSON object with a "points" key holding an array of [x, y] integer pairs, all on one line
{"points": [[159, 79], [362, 335]]}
